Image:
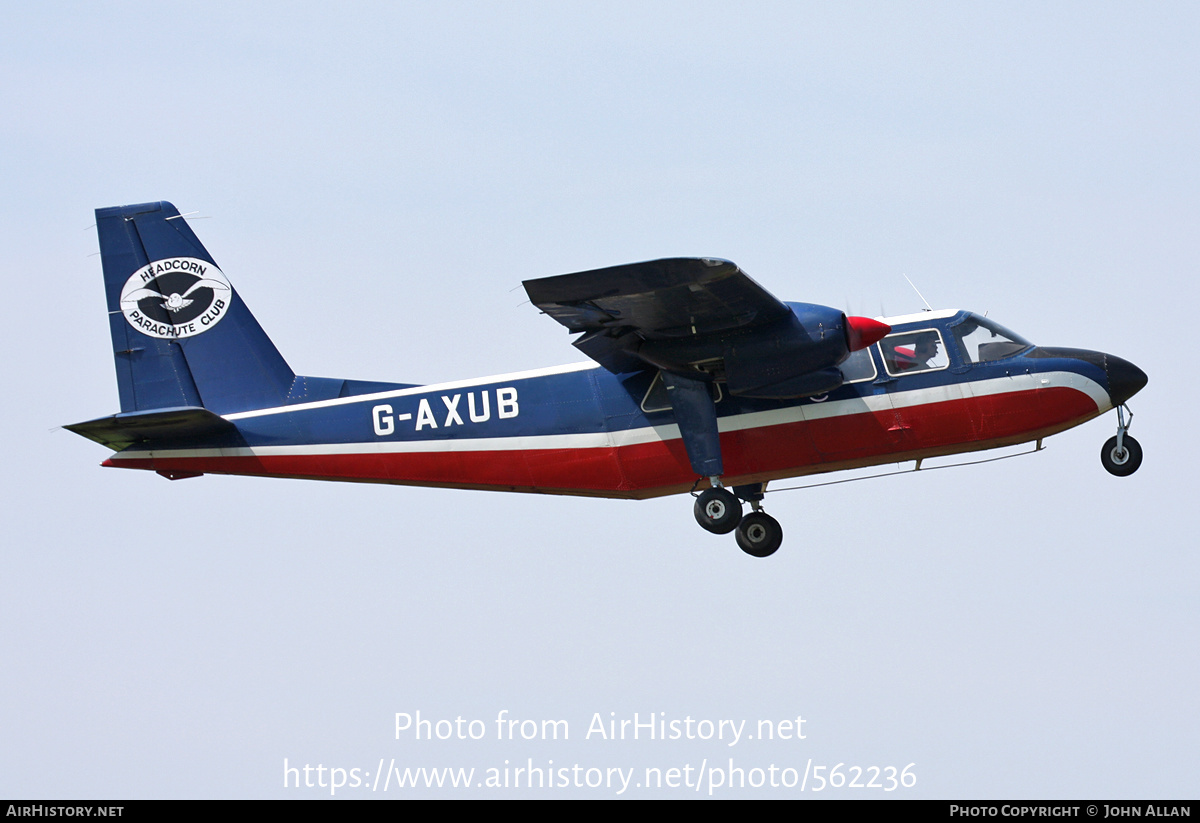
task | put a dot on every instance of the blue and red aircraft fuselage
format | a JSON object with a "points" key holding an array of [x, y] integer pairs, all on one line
{"points": [[700, 377], [581, 430]]}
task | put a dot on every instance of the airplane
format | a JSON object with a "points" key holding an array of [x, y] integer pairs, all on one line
{"points": [[699, 381]]}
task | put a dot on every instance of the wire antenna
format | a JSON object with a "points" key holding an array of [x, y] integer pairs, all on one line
{"points": [[918, 291]]}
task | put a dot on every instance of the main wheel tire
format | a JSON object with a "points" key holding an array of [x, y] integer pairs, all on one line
{"points": [[718, 511], [1121, 463], [759, 534]]}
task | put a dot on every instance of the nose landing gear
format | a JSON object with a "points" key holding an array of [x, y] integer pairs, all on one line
{"points": [[1121, 455]]}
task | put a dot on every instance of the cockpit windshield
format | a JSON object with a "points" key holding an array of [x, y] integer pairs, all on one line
{"points": [[980, 340]]}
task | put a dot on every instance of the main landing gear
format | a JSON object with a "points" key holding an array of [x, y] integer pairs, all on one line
{"points": [[1121, 455], [719, 511]]}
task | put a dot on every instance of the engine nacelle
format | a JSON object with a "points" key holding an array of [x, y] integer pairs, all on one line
{"points": [[795, 358]]}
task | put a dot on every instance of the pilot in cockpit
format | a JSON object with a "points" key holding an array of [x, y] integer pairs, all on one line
{"points": [[926, 351], [921, 357]]}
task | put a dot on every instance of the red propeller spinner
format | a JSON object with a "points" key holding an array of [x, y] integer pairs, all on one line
{"points": [[863, 331]]}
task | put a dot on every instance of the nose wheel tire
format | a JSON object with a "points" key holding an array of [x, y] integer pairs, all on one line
{"points": [[1121, 462], [718, 510], [759, 534]]}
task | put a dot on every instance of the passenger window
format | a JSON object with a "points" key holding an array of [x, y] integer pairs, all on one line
{"points": [[858, 366], [913, 352], [657, 399]]}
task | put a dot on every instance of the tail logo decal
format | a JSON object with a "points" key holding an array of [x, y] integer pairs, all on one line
{"points": [[176, 297]]}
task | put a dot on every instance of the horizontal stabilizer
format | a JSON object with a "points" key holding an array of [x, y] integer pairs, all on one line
{"points": [[119, 431]]}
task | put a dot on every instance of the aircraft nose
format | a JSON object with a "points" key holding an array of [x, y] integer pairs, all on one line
{"points": [[1124, 379]]}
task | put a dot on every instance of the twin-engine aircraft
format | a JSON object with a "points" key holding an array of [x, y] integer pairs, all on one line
{"points": [[701, 382]]}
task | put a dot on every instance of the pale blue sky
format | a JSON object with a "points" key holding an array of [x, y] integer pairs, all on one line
{"points": [[381, 177]]}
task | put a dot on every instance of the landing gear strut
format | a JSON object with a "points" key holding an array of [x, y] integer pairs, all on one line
{"points": [[1121, 455], [717, 509]]}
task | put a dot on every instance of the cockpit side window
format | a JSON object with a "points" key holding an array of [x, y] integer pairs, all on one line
{"points": [[981, 341], [913, 352]]}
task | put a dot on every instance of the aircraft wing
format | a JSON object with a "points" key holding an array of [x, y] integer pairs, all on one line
{"points": [[668, 299]]}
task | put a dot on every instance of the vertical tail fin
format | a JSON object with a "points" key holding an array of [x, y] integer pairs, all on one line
{"points": [[181, 335]]}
